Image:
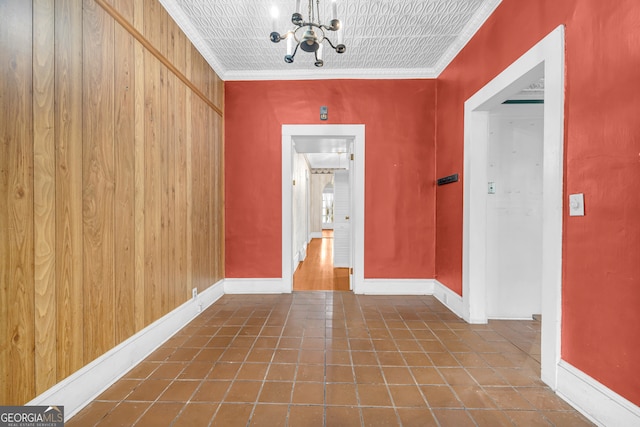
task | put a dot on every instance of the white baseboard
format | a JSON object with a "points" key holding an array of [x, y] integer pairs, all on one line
{"points": [[303, 252], [594, 400], [256, 286], [83, 386], [315, 235], [395, 287], [450, 299]]}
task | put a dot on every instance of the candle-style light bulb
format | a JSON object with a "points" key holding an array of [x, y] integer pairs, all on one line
{"points": [[334, 9], [274, 18], [289, 43]]}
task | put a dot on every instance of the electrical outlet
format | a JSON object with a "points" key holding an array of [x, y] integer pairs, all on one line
{"points": [[194, 293]]}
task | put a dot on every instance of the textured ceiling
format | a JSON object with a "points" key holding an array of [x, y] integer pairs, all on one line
{"points": [[384, 38]]}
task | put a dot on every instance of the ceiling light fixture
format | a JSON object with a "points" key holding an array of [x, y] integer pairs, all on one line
{"points": [[310, 35]]}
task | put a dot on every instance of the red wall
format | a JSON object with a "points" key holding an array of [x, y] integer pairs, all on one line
{"points": [[601, 251], [399, 169]]}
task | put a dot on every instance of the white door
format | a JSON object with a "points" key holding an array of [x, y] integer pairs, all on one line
{"points": [[341, 220], [514, 211]]}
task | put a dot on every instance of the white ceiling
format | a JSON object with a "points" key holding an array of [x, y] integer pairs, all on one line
{"points": [[384, 38], [324, 152]]}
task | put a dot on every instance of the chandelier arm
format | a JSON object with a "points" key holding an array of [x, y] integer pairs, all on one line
{"points": [[312, 24], [330, 44], [328, 27]]}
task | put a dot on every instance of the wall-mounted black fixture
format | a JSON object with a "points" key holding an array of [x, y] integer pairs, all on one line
{"points": [[523, 101], [448, 179]]}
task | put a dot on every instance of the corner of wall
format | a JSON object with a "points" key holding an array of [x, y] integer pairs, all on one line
{"points": [[450, 299]]}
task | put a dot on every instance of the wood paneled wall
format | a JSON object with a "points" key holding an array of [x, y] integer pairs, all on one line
{"points": [[111, 181]]}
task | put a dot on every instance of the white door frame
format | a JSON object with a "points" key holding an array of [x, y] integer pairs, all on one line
{"points": [[545, 58], [357, 212]]}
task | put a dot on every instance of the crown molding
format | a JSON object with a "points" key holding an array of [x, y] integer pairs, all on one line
{"points": [[467, 33], [175, 11], [325, 74]]}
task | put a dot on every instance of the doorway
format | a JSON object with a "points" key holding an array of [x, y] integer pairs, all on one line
{"points": [[545, 59], [322, 254], [514, 206], [293, 136]]}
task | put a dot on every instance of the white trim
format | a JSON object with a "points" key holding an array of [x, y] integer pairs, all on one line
{"points": [[83, 386], [594, 400], [315, 235], [450, 299], [545, 58], [327, 74], [256, 286], [472, 27], [357, 132], [175, 11], [395, 287], [303, 252]]}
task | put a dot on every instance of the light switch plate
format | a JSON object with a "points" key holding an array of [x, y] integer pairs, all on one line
{"points": [[576, 204]]}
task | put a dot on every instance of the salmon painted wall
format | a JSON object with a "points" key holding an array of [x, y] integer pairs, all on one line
{"points": [[399, 120], [601, 251]]}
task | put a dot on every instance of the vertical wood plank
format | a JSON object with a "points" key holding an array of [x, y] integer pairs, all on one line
{"points": [[219, 196], [126, 8], [168, 206], [189, 173], [196, 177], [69, 154], [44, 194], [16, 209], [152, 190], [218, 95], [124, 184], [98, 181], [181, 287], [139, 143], [155, 136], [129, 191], [200, 195], [159, 33], [210, 168], [170, 191], [5, 274]]}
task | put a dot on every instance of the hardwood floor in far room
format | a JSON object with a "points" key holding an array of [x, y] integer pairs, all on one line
{"points": [[316, 272]]}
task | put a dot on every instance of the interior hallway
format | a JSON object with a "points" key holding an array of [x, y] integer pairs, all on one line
{"points": [[336, 359], [316, 272]]}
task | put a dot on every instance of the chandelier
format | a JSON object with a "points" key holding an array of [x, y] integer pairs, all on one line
{"points": [[310, 35]]}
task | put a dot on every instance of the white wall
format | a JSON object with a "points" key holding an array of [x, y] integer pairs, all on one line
{"points": [[318, 182], [300, 216], [514, 212]]}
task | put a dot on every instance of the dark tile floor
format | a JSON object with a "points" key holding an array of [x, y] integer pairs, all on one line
{"points": [[336, 359]]}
